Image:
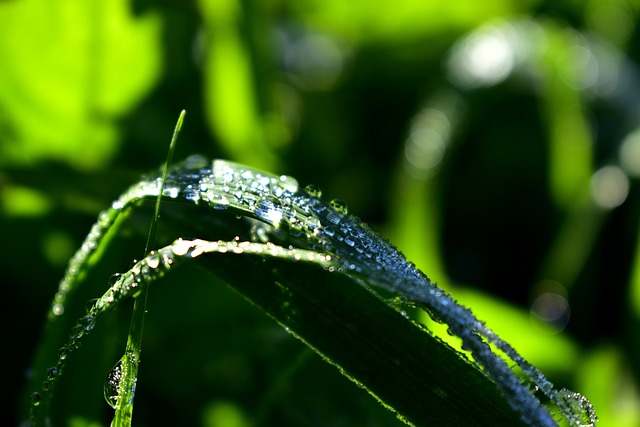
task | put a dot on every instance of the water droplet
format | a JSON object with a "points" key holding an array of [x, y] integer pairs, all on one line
{"points": [[329, 231], [45, 385], [219, 200], [313, 190], [113, 279], [51, 373], [62, 353], [190, 193], [575, 407], [74, 342], [181, 247], [288, 183], [239, 195], [196, 161], [269, 209], [57, 309], [35, 398], [112, 384], [90, 304], [88, 322], [339, 205], [333, 218], [77, 332], [171, 192], [153, 261]]}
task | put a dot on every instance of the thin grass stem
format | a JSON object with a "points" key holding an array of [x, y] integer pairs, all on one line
{"points": [[131, 360]]}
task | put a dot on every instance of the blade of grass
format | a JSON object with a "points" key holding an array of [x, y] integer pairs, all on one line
{"points": [[398, 362], [131, 360]]}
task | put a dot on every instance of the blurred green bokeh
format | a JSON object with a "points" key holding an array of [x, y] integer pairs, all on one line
{"points": [[495, 143]]}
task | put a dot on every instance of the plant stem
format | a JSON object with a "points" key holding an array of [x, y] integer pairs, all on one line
{"points": [[131, 358]]}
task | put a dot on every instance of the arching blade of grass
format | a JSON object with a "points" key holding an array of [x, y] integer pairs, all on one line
{"points": [[408, 370], [254, 215]]}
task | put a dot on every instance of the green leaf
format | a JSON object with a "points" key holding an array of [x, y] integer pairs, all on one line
{"points": [[99, 61]]}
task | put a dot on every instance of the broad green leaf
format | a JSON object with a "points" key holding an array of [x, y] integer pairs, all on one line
{"points": [[70, 69]]}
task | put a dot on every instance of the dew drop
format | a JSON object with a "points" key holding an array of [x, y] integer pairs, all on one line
{"points": [[329, 231], [191, 194], [171, 192], [114, 279], [333, 218], [195, 161], [88, 322], [91, 304], [239, 195], [74, 342], [181, 247], [35, 398], [112, 384], [269, 209], [288, 183], [57, 309], [62, 353], [219, 200], [51, 373], [339, 205], [575, 407], [153, 261], [45, 385], [313, 190], [77, 332]]}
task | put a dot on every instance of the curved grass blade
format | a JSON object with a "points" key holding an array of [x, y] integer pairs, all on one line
{"points": [[282, 213], [377, 347], [373, 344]]}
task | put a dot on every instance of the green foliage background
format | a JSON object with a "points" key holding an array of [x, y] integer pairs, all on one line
{"points": [[329, 92]]}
